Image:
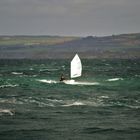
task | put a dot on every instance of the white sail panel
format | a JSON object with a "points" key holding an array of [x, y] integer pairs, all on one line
{"points": [[76, 67]]}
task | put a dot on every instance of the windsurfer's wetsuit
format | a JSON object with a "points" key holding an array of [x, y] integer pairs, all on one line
{"points": [[62, 78]]}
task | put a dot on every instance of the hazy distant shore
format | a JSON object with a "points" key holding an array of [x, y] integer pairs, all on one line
{"points": [[124, 46]]}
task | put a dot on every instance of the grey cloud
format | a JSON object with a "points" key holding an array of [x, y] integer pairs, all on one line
{"points": [[69, 17]]}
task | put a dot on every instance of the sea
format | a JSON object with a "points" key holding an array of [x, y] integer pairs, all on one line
{"points": [[102, 104]]}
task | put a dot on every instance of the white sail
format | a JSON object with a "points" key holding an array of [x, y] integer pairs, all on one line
{"points": [[76, 67]]}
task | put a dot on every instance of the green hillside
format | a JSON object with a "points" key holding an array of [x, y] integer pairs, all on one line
{"points": [[124, 46], [34, 40]]}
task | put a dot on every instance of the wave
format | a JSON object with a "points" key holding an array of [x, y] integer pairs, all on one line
{"points": [[47, 81], [91, 130], [42, 102], [69, 82], [73, 82], [126, 105], [49, 70], [9, 101], [31, 69], [95, 103], [104, 97], [101, 101], [114, 79], [137, 75], [37, 101], [54, 100], [8, 85], [6, 111], [132, 106], [17, 73], [75, 104]]}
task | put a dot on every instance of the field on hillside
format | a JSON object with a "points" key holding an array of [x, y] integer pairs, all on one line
{"points": [[34, 40]]}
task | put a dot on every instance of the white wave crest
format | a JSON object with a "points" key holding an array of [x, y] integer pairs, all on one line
{"points": [[8, 85], [6, 111], [85, 103], [104, 97], [74, 104], [54, 100], [47, 81], [114, 79], [17, 73], [73, 82]]}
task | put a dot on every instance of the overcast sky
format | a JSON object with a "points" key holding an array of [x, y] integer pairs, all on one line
{"points": [[69, 17]]}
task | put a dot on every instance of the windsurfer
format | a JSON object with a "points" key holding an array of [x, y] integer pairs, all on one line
{"points": [[62, 78]]}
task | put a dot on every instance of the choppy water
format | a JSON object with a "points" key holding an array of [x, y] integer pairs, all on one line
{"points": [[103, 104]]}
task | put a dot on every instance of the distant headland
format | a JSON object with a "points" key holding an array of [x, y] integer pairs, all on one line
{"points": [[123, 46]]}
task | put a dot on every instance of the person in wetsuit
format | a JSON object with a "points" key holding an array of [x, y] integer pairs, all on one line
{"points": [[62, 78]]}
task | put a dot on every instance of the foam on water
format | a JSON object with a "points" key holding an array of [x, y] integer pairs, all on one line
{"points": [[54, 100], [69, 82], [77, 103], [47, 81], [73, 82], [114, 79], [17, 73], [84, 103], [6, 111], [104, 97], [96, 101], [8, 85]]}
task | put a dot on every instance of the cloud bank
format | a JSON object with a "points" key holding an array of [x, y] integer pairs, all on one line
{"points": [[69, 17]]}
